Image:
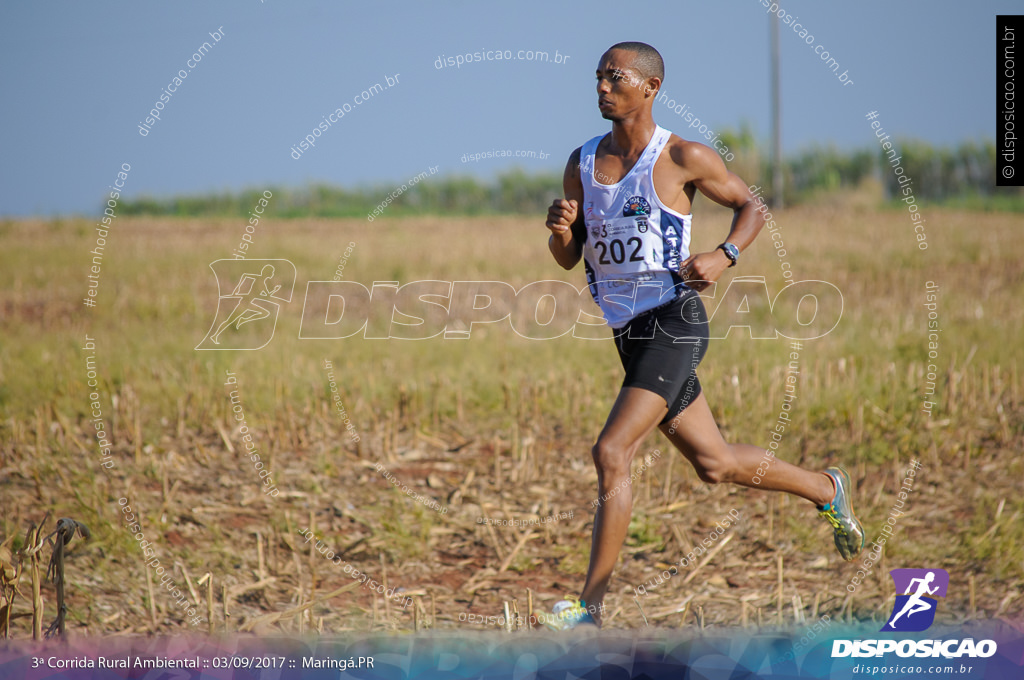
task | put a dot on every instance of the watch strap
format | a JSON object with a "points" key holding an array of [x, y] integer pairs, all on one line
{"points": [[731, 251]]}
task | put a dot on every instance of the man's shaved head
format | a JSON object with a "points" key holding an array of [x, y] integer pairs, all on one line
{"points": [[647, 60]]}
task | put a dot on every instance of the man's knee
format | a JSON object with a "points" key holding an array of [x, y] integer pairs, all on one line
{"points": [[712, 474], [611, 459], [716, 469]]}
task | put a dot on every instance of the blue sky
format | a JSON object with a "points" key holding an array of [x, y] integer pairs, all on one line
{"points": [[78, 78]]}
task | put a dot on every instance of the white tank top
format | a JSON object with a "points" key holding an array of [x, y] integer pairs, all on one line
{"points": [[634, 242]]}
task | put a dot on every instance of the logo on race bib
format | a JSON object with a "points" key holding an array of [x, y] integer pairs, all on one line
{"points": [[636, 205], [641, 225]]}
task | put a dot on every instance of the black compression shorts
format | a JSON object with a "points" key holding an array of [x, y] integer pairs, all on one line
{"points": [[661, 348]]}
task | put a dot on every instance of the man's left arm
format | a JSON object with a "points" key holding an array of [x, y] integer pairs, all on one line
{"points": [[713, 179]]}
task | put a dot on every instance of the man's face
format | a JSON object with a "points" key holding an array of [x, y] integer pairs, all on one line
{"points": [[620, 87]]}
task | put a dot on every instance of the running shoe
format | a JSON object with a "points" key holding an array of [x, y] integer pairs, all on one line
{"points": [[848, 533], [568, 614]]}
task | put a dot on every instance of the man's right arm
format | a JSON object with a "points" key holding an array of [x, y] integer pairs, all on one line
{"points": [[565, 221]]}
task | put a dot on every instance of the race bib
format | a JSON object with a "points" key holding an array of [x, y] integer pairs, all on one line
{"points": [[622, 245]]}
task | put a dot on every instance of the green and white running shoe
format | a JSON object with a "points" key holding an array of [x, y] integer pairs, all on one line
{"points": [[568, 614], [848, 533]]}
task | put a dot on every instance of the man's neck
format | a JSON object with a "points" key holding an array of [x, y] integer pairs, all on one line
{"points": [[631, 136]]}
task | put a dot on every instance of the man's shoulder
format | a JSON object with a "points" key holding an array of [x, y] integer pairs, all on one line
{"points": [[596, 141], [572, 166], [576, 157], [686, 153]]}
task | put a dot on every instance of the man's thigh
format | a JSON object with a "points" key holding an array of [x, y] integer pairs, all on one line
{"points": [[695, 433], [634, 415]]}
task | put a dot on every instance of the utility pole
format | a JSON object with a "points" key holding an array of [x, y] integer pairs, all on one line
{"points": [[776, 118]]}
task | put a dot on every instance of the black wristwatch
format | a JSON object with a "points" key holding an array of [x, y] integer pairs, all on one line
{"points": [[731, 252]]}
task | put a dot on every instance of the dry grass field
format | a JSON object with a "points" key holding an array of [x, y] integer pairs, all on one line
{"points": [[497, 426]]}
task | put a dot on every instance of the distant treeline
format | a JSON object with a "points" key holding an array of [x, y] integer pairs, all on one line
{"points": [[963, 175]]}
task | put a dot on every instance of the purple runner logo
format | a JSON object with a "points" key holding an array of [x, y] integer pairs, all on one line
{"points": [[257, 289], [914, 610]]}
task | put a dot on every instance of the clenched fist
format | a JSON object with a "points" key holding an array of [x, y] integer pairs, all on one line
{"points": [[701, 270], [561, 215]]}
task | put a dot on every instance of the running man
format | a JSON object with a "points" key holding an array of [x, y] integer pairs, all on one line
{"points": [[250, 305], [626, 213], [915, 603]]}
